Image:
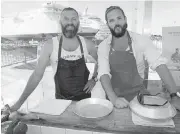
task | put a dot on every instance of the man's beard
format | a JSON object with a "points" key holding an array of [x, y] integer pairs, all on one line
{"points": [[122, 31], [69, 33]]}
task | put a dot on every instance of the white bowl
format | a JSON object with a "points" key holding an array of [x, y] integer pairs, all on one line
{"points": [[93, 108], [164, 112]]}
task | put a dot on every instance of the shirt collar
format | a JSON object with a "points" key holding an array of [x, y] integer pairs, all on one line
{"points": [[109, 39]]}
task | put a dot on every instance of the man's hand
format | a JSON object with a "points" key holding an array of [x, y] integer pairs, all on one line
{"points": [[89, 86], [8, 110], [120, 102], [175, 101]]}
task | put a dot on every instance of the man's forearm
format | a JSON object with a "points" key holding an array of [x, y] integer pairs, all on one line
{"points": [[30, 87], [167, 78], [106, 84], [95, 70]]}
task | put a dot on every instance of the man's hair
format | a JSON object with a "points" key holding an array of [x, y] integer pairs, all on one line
{"points": [[113, 8], [69, 9]]}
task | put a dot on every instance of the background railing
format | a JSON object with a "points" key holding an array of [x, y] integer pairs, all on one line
{"points": [[13, 55]]}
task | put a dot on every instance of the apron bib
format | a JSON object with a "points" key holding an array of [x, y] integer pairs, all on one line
{"points": [[71, 77], [125, 80]]}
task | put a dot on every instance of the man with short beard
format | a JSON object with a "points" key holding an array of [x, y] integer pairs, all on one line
{"points": [[67, 54], [121, 62]]}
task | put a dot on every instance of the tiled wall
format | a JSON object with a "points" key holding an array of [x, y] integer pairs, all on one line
{"points": [[32, 129]]}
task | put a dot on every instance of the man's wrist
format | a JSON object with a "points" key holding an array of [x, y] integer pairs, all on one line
{"points": [[94, 78], [175, 95], [113, 98]]}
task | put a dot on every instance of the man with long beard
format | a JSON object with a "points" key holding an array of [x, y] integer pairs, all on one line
{"points": [[67, 54], [121, 62]]}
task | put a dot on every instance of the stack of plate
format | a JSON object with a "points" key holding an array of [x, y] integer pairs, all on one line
{"points": [[154, 108]]}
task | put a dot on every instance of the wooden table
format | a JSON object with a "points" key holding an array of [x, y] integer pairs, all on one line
{"points": [[119, 121]]}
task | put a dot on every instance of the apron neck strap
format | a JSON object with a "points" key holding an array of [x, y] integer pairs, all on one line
{"points": [[129, 42], [60, 46], [81, 47]]}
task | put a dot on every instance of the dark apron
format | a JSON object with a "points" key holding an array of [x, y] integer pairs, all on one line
{"points": [[125, 80], [71, 77]]}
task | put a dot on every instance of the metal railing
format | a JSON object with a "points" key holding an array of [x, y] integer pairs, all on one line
{"points": [[14, 55]]}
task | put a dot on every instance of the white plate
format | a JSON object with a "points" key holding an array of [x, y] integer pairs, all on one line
{"points": [[51, 107], [164, 112]]}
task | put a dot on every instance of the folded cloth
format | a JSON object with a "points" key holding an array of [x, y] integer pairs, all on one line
{"points": [[51, 107], [137, 120]]}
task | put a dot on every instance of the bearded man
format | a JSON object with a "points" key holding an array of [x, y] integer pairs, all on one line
{"points": [[67, 54], [121, 63]]}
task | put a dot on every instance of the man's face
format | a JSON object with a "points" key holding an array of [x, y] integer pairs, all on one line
{"points": [[116, 22], [69, 23]]}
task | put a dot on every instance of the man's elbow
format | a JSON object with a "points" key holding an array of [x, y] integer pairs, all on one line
{"points": [[104, 76], [38, 74], [161, 67], [155, 63]]}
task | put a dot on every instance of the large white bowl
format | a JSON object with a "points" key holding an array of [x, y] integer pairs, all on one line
{"points": [[93, 108], [164, 112]]}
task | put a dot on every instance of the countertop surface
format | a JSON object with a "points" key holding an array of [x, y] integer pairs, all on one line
{"points": [[119, 121]]}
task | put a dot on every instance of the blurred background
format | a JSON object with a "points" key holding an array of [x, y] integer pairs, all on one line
{"points": [[25, 25]]}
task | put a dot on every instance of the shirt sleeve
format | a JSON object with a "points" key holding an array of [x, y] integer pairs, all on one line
{"points": [[151, 53], [103, 58]]}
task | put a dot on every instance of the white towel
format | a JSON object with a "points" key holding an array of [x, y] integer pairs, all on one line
{"points": [[51, 107], [143, 122]]}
